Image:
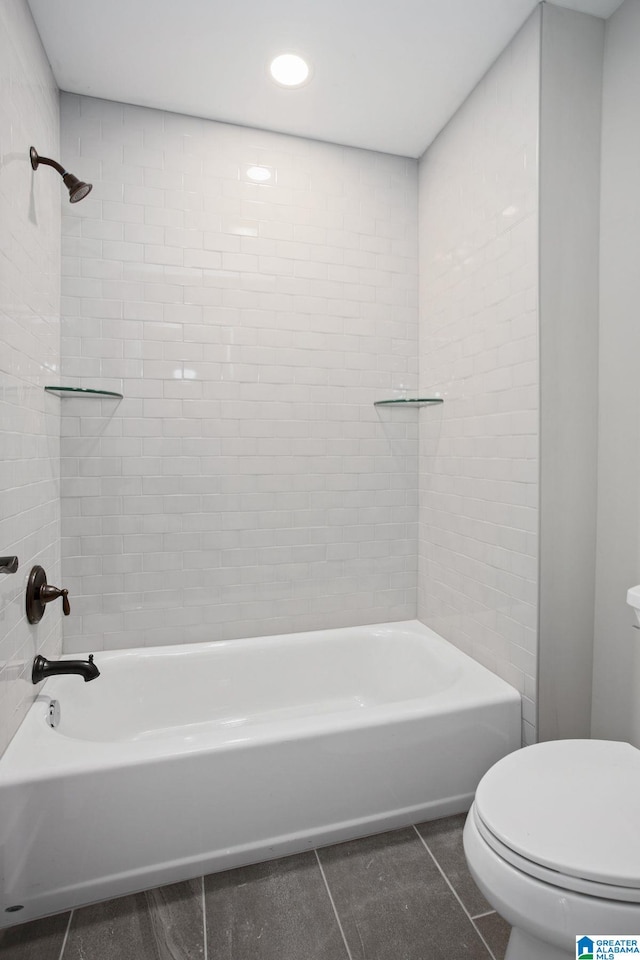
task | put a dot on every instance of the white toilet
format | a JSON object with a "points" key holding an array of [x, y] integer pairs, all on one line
{"points": [[553, 841]]}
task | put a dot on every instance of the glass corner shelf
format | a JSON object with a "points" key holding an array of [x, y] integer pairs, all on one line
{"points": [[408, 401], [83, 392]]}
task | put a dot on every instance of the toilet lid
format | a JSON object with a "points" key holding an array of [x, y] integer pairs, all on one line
{"points": [[570, 805]]}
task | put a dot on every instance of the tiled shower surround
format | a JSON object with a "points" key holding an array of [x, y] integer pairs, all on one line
{"points": [[246, 484], [29, 353], [478, 186]]}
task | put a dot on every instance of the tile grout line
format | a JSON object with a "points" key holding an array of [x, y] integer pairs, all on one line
{"points": [[478, 916], [66, 936], [450, 885], [335, 911], [489, 950], [204, 921]]}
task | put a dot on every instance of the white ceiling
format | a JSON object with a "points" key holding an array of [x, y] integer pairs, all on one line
{"points": [[386, 75]]}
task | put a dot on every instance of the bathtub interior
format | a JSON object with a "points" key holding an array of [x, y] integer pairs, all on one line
{"points": [[150, 694]]}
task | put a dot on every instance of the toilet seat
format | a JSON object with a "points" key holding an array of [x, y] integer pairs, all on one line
{"points": [[589, 888], [567, 812]]}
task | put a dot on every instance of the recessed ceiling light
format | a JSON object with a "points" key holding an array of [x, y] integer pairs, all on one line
{"points": [[289, 70], [259, 174]]}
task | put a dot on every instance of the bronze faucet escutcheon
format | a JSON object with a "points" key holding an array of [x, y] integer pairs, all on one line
{"points": [[39, 593]]}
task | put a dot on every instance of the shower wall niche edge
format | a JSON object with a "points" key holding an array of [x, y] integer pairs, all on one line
{"points": [[570, 134]]}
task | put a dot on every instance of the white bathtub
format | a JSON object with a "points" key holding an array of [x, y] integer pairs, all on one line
{"points": [[184, 760]]}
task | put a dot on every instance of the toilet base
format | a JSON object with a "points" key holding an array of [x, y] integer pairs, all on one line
{"points": [[522, 946]]}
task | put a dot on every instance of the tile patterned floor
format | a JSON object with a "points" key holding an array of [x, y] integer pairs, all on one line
{"points": [[405, 895]]}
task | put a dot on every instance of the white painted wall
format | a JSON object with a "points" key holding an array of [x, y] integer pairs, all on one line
{"points": [[29, 353], [571, 86], [246, 485], [616, 680], [478, 234]]}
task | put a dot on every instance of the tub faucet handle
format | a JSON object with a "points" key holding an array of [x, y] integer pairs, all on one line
{"points": [[49, 593]]}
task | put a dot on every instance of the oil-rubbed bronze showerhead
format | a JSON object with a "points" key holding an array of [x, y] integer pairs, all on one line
{"points": [[77, 189]]}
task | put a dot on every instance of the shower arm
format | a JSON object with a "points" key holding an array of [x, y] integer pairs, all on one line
{"points": [[50, 163]]}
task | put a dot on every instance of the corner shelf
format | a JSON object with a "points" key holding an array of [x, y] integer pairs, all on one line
{"points": [[409, 401], [83, 392]]}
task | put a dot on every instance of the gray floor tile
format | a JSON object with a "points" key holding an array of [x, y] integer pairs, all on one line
{"points": [[444, 839], [37, 940], [272, 911], [164, 924], [496, 932], [394, 904], [100, 932], [177, 920]]}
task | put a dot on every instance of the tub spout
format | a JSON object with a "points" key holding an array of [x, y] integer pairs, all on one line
{"points": [[43, 668]]}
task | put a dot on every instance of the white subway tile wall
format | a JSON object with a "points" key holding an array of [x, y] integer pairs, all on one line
{"points": [[246, 484], [29, 353], [478, 185]]}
